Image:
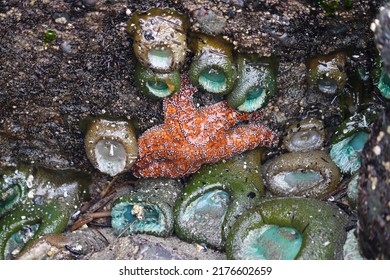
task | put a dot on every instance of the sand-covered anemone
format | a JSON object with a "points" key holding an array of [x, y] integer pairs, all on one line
{"points": [[156, 85], [256, 82], [148, 210], [212, 68], [160, 39], [305, 135], [309, 174], [288, 228], [37, 201], [216, 196], [327, 74], [110, 144]]}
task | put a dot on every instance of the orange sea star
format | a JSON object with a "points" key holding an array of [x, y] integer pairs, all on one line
{"points": [[193, 136]]}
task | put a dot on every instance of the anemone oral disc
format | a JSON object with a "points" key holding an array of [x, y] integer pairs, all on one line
{"points": [[160, 58], [207, 211], [213, 80], [306, 138], [254, 101], [158, 88], [298, 180], [327, 85], [137, 218], [271, 242], [110, 156]]}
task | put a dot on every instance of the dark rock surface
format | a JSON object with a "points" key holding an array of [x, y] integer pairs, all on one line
{"points": [[147, 247], [374, 193]]}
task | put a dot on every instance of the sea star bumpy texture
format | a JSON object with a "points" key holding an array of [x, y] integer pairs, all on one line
{"points": [[193, 136]]}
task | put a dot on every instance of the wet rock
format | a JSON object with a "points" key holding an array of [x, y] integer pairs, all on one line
{"points": [[145, 247], [374, 193]]}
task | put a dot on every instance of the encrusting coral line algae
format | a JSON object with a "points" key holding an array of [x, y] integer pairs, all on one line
{"points": [[195, 130]]}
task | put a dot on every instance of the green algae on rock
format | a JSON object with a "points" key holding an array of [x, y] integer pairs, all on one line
{"points": [[156, 85], [212, 68], [42, 201], [216, 196], [374, 193], [311, 174], [305, 135], [110, 144], [326, 73], [332, 6], [306, 229], [256, 83], [148, 210], [159, 38], [50, 36]]}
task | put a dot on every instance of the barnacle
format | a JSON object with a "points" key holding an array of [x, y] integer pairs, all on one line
{"points": [[159, 38], [156, 85], [327, 74], [310, 174], [212, 67], [256, 83], [288, 228], [110, 144], [215, 196]]}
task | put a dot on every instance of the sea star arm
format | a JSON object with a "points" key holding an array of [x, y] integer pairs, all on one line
{"points": [[240, 139]]}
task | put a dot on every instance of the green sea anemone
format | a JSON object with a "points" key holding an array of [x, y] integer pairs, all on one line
{"points": [[149, 209], [288, 228], [212, 67], [36, 201], [305, 135], [110, 144], [310, 174], [160, 40], [216, 196], [326, 73], [156, 85], [256, 83]]}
